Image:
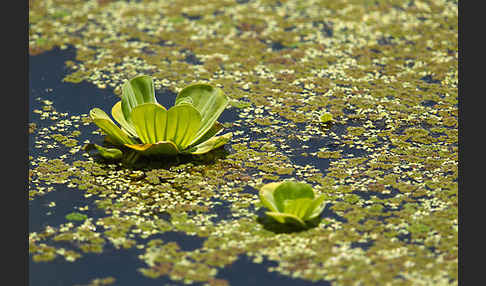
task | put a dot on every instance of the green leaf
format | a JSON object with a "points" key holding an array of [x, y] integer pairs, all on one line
{"points": [[210, 144], [154, 123], [117, 113], [266, 195], [136, 91], [183, 121], [209, 101], [210, 133], [315, 208], [109, 153], [131, 157], [150, 120], [117, 136], [297, 207], [164, 148], [286, 218], [291, 190]]}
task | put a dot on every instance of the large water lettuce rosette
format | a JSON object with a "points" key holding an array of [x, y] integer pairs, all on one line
{"points": [[147, 127]]}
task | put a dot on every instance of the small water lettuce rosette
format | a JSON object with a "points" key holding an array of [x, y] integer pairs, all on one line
{"points": [[148, 128], [291, 202]]}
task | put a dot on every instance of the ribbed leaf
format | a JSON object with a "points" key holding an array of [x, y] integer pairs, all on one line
{"points": [[131, 157], [315, 208], [138, 90], [266, 196], [183, 121], [290, 190], [165, 148], [117, 113], [286, 218], [210, 133], [209, 101], [101, 119], [297, 207], [210, 144], [150, 121]]}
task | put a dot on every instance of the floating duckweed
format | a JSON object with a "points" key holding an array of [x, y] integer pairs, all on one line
{"points": [[76, 216], [100, 282], [386, 71]]}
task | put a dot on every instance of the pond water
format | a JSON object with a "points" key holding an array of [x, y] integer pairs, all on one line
{"points": [[386, 163], [46, 72]]}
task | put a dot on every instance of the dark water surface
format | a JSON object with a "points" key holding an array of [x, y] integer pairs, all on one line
{"points": [[45, 81]]}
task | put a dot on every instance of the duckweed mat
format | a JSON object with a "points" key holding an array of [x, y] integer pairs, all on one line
{"points": [[387, 72]]}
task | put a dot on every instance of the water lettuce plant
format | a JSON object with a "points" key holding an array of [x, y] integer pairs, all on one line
{"points": [[291, 202], [148, 128], [326, 118]]}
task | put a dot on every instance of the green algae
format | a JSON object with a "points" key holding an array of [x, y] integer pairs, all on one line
{"points": [[387, 71]]}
